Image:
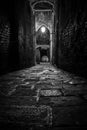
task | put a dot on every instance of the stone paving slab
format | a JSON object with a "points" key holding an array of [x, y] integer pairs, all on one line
{"points": [[63, 93]]}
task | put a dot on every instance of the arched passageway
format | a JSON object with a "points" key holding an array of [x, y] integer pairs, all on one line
{"points": [[43, 44]]}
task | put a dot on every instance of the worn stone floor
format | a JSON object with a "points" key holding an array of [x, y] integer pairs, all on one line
{"points": [[43, 97]]}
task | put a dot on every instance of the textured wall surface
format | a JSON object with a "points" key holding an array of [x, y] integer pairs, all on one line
{"points": [[16, 36], [4, 43], [73, 36], [25, 36]]}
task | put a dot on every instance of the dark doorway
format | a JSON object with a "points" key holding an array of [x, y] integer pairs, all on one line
{"points": [[45, 57], [42, 55]]}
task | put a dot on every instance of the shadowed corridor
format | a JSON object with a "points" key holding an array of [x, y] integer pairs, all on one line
{"points": [[43, 64]]}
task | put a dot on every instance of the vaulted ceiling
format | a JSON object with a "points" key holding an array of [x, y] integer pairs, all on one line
{"points": [[42, 4]]}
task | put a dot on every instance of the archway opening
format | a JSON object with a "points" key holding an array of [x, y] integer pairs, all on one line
{"points": [[42, 5], [43, 45], [42, 55], [43, 36]]}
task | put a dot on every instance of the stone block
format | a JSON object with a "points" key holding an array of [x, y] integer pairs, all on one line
{"points": [[50, 92], [32, 115]]}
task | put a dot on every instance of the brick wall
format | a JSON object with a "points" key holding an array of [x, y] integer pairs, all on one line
{"points": [[73, 36], [4, 43], [16, 36], [66, 44]]}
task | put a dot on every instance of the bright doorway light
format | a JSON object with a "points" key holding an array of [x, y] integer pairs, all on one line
{"points": [[43, 29]]}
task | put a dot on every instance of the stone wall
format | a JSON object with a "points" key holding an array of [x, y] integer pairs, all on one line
{"points": [[72, 31], [4, 43], [25, 37], [16, 36]]}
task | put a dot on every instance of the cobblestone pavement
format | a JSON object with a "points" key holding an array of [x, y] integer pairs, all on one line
{"points": [[43, 96]]}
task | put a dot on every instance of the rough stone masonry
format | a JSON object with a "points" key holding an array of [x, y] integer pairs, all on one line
{"points": [[43, 96]]}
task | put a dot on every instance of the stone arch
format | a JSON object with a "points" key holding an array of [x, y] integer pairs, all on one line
{"points": [[44, 4], [43, 38]]}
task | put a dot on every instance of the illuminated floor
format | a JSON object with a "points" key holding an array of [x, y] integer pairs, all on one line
{"points": [[43, 96]]}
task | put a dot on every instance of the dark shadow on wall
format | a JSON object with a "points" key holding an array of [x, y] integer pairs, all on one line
{"points": [[73, 37], [15, 54]]}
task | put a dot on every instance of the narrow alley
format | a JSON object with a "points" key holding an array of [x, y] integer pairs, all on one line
{"points": [[43, 97], [43, 64]]}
